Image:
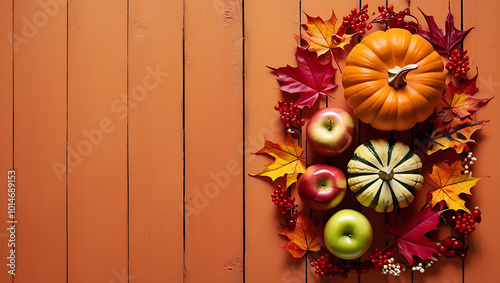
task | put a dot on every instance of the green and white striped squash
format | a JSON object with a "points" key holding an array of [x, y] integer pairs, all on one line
{"points": [[385, 175]]}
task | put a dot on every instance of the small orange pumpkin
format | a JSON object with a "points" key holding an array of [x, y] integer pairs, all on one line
{"points": [[393, 79]]}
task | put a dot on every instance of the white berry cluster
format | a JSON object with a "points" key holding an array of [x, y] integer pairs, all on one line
{"points": [[467, 163], [391, 268], [422, 266]]}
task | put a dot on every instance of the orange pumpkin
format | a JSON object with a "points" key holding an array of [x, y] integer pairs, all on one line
{"points": [[393, 79]]}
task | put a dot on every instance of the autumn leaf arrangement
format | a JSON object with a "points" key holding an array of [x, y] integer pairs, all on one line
{"points": [[443, 141]]}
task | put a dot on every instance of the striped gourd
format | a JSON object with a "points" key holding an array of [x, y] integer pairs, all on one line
{"points": [[385, 175]]}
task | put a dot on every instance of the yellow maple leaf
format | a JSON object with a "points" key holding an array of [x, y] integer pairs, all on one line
{"points": [[450, 183], [458, 100], [321, 35], [287, 160], [305, 237]]}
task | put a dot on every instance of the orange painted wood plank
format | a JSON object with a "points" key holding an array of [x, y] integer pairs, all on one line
{"points": [[483, 52], [97, 141], [6, 118], [40, 141], [364, 133], [155, 70], [402, 136], [367, 133], [324, 10], [444, 269], [313, 9], [213, 136], [266, 45]]}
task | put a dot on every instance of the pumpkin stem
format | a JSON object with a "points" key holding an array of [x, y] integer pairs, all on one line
{"points": [[397, 75], [386, 173]]}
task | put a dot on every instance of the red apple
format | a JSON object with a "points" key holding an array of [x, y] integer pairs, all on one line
{"points": [[322, 186], [330, 131]]}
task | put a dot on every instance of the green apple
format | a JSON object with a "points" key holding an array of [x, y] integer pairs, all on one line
{"points": [[348, 234]]}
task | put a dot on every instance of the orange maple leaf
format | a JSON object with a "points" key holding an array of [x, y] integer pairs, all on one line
{"points": [[454, 135], [321, 35], [305, 237], [287, 160], [450, 183]]}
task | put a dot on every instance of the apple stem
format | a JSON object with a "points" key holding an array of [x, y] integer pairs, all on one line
{"points": [[397, 75]]}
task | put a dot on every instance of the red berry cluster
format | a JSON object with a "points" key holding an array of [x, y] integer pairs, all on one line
{"points": [[466, 222], [324, 266], [290, 116], [356, 20], [384, 262], [452, 247], [285, 202], [458, 64], [395, 20], [379, 259]]}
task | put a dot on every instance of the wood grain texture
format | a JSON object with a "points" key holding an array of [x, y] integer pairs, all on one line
{"points": [[335, 99], [155, 108], [97, 141], [266, 45], [402, 136], [155, 140], [482, 46], [445, 268], [6, 125], [213, 133], [40, 140], [378, 220], [323, 10]]}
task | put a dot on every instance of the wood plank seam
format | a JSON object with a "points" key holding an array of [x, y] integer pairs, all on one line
{"points": [[67, 142], [127, 137], [243, 92], [13, 98], [184, 137]]}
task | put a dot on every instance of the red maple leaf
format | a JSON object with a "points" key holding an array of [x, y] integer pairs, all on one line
{"points": [[309, 79], [458, 101], [409, 229], [442, 43]]}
